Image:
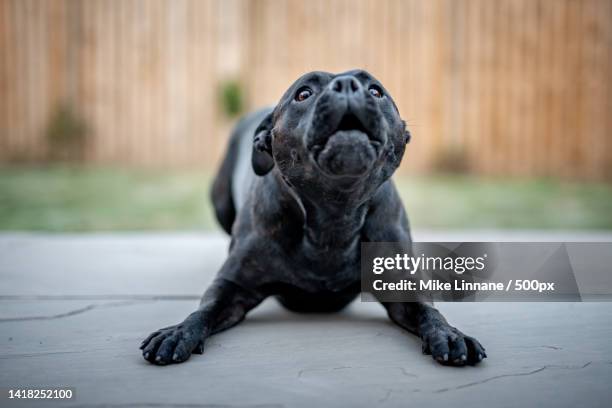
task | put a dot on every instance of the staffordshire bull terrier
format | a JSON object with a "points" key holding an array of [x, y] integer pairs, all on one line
{"points": [[301, 186]]}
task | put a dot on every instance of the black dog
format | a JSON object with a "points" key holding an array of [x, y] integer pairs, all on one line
{"points": [[318, 183]]}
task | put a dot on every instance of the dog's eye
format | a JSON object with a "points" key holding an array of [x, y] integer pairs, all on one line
{"points": [[303, 94], [375, 91]]}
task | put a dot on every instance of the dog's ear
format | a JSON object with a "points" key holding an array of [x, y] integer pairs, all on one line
{"points": [[261, 157], [407, 135]]}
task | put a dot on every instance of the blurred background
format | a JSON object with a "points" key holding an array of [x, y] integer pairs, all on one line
{"points": [[114, 113]]}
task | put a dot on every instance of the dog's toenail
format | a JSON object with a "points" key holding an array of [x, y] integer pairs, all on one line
{"points": [[146, 355], [175, 357], [479, 356], [445, 358], [158, 358], [463, 357]]}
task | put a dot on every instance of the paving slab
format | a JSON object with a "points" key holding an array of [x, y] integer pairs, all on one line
{"points": [[73, 309]]}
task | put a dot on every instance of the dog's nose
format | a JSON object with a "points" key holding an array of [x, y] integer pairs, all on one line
{"points": [[345, 85]]}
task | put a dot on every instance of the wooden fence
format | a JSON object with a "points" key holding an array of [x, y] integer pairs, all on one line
{"points": [[517, 87]]}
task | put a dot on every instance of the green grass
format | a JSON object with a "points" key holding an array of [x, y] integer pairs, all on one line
{"points": [[471, 202], [86, 199]]}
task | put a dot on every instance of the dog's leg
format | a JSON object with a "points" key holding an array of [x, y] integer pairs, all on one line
{"points": [[223, 305], [445, 343]]}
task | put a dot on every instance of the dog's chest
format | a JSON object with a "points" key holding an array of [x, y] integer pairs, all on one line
{"points": [[326, 269]]}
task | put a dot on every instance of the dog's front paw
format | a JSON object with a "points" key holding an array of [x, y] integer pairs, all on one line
{"points": [[173, 344], [449, 346]]}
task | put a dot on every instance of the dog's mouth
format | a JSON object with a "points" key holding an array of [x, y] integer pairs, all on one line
{"points": [[350, 121], [349, 150]]}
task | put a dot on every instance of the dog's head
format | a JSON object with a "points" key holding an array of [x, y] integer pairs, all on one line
{"points": [[332, 133]]}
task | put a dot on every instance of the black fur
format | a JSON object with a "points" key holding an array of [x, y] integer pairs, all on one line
{"points": [[323, 186]]}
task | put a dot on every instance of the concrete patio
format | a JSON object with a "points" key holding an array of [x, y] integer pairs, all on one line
{"points": [[75, 308]]}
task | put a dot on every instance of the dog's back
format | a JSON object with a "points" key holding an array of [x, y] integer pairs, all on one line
{"points": [[235, 173]]}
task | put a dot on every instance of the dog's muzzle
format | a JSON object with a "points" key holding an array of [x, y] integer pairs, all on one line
{"points": [[344, 139]]}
